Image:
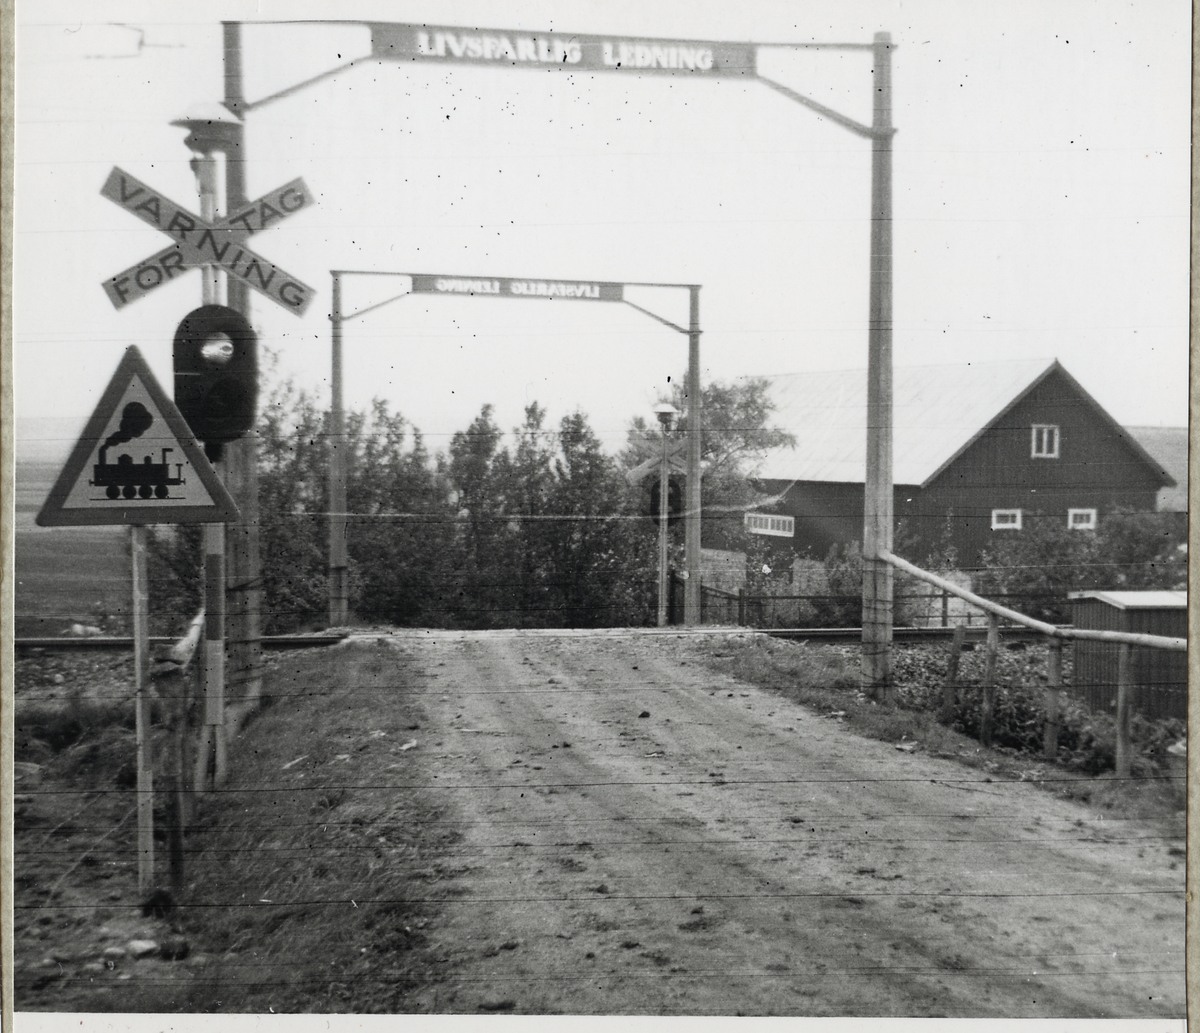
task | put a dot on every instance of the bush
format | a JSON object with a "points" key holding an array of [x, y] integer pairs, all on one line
{"points": [[1087, 741], [1036, 567]]}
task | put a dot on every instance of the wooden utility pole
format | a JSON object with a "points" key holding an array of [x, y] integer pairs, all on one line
{"points": [[339, 592], [878, 502], [243, 561]]}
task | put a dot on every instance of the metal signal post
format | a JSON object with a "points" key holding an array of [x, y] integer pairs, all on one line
{"points": [[665, 412]]}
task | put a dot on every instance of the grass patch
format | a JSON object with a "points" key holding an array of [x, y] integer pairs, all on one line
{"points": [[827, 678], [307, 882]]}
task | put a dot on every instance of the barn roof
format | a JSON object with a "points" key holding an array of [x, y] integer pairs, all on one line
{"points": [[937, 411], [1147, 600], [1169, 447]]}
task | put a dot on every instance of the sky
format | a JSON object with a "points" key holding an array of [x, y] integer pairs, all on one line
{"points": [[1041, 184]]}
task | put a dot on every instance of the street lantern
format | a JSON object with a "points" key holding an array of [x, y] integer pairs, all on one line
{"points": [[665, 413], [210, 128]]}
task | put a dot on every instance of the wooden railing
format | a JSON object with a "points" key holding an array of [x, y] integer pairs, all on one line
{"points": [[1128, 637], [1055, 636]]}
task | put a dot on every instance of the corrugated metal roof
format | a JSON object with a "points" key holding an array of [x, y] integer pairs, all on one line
{"points": [[1149, 600], [936, 411]]}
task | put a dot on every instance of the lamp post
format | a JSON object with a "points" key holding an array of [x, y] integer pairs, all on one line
{"points": [[211, 129], [665, 412]]}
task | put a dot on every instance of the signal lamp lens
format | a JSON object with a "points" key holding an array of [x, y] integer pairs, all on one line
{"points": [[217, 350]]}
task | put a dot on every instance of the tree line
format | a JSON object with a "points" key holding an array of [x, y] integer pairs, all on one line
{"points": [[539, 529]]}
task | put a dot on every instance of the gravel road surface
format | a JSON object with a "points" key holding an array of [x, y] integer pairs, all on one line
{"points": [[640, 835]]}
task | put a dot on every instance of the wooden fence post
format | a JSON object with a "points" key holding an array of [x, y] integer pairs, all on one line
{"points": [[741, 607], [950, 688], [1053, 697], [1124, 692], [945, 609], [989, 681]]}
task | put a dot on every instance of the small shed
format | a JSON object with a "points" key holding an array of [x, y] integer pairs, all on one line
{"points": [[1159, 675]]}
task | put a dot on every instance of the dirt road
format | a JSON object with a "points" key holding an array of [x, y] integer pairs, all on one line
{"points": [[641, 835]]}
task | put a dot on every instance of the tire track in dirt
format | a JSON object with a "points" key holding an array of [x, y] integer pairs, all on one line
{"points": [[733, 853]]}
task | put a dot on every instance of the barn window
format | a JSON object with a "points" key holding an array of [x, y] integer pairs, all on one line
{"points": [[1045, 441], [1006, 520], [769, 523], [1081, 519]]}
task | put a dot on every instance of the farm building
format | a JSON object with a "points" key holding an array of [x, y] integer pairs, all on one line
{"points": [[1159, 676], [980, 450]]}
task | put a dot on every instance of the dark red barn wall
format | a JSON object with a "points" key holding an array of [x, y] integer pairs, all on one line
{"points": [[827, 513], [1096, 468]]}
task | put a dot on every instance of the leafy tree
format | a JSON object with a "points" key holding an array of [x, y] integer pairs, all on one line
{"points": [[544, 535], [1039, 565], [293, 493], [401, 533], [481, 562], [1143, 550], [526, 480], [736, 436], [598, 556], [173, 571]]}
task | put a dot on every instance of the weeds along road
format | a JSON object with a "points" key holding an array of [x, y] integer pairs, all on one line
{"points": [[641, 835]]}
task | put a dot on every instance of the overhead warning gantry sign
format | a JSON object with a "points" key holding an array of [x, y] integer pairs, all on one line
{"points": [[136, 462], [199, 243]]}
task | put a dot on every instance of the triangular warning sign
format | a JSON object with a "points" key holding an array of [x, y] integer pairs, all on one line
{"points": [[137, 462]]}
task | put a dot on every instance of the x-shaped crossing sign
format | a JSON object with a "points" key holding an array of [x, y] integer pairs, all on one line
{"points": [[198, 243]]}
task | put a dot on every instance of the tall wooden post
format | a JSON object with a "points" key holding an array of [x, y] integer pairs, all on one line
{"points": [[141, 674], [1124, 708], [243, 561], [691, 590], [988, 705], [950, 686], [1054, 647], [878, 502], [338, 586]]}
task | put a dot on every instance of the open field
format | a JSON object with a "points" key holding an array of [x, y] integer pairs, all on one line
{"points": [[68, 575], [65, 575]]}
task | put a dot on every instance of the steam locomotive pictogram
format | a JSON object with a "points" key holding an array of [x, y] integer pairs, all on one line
{"points": [[126, 478], [136, 480]]}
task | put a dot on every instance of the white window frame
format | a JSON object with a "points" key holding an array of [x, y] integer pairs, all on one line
{"points": [[1089, 513], [770, 524], [1049, 433], [998, 523]]}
